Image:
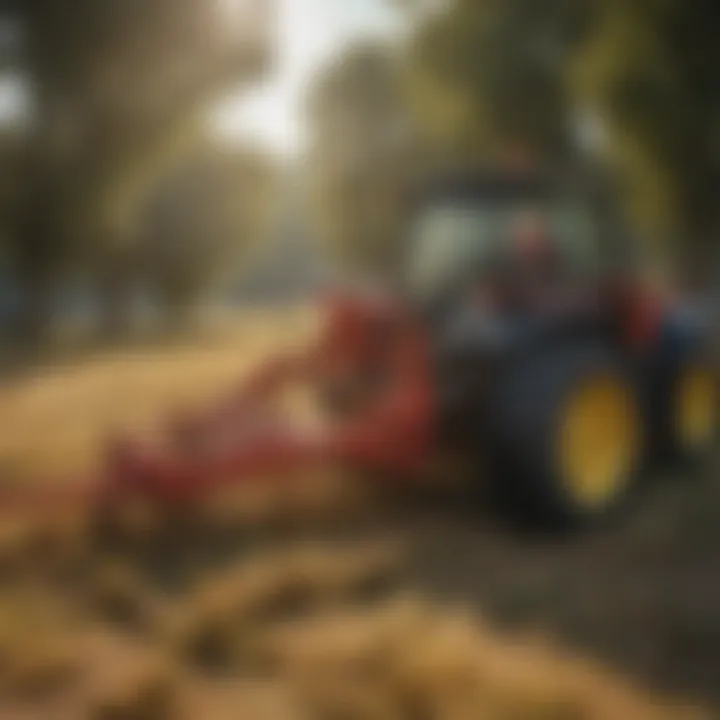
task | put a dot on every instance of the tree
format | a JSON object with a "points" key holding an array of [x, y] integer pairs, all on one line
{"points": [[649, 72], [115, 93], [490, 77], [202, 222], [364, 159]]}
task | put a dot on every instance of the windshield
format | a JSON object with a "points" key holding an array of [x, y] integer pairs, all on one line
{"points": [[448, 239], [455, 239]]}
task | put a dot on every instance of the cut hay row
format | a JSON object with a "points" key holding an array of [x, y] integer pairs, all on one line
{"points": [[296, 632]]}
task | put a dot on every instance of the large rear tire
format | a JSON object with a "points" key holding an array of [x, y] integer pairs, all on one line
{"points": [[682, 395], [568, 440], [693, 416]]}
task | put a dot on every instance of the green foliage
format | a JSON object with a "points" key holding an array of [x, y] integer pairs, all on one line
{"points": [[650, 72], [363, 160], [117, 91], [200, 224], [498, 67]]}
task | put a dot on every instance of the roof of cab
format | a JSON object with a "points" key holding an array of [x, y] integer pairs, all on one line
{"points": [[497, 186]]}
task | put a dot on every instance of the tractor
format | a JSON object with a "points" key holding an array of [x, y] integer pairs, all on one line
{"points": [[572, 375], [519, 339]]}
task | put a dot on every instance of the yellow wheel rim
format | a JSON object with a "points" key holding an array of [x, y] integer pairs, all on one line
{"points": [[697, 408], [599, 441]]}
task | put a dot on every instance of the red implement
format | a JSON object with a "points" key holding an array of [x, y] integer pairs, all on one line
{"points": [[371, 374]]}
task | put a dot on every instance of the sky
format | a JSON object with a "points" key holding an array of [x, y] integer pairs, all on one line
{"points": [[13, 98], [310, 33]]}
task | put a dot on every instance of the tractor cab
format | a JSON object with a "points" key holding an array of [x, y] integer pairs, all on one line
{"points": [[517, 240]]}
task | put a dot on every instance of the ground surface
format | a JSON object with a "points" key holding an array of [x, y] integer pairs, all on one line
{"points": [[331, 602]]}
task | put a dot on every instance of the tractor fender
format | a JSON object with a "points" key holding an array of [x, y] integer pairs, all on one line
{"points": [[685, 331]]}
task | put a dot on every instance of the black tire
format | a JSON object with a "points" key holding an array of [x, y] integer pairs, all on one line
{"points": [[683, 351], [527, 421], [695, 375]]}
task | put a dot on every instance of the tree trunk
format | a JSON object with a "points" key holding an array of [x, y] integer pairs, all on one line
{"points": [[115, 285], [37, 316]]}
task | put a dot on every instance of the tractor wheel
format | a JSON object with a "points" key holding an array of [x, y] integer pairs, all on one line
{"points": [[569, 442], [693, 417]]}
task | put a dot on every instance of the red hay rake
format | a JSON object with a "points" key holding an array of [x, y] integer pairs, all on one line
{"points": [[370, 371]]}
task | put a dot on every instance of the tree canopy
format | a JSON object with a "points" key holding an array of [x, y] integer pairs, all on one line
{"points": [[363, 160], [116, 94]]}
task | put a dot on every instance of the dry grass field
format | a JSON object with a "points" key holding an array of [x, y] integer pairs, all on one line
{"points": [[248, 613]]}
